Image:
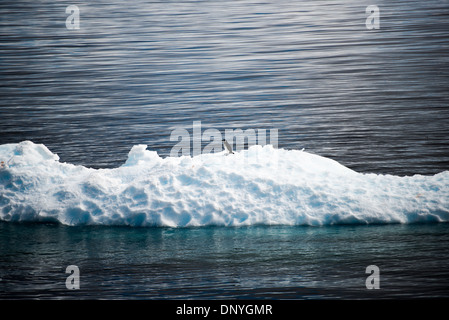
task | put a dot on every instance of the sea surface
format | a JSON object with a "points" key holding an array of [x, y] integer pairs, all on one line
{"points": [[258, 262], [375, 100]]}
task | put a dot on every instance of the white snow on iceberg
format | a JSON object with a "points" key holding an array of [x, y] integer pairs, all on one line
{"points": [[261, 185]]}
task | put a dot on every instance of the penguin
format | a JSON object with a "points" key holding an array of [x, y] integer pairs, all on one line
{"points": [[228, 146]]}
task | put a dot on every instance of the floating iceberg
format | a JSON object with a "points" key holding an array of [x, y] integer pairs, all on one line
{"points": [[258, 186]]}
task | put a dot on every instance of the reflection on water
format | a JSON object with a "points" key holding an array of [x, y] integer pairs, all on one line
{"points": [[202, 263], [374, 100]]}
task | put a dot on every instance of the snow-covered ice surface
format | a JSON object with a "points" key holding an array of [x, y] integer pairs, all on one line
{"points": [[258, 186]]}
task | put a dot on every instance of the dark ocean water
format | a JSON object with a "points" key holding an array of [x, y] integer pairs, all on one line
{"points": [[258, 262], [374, 100]]}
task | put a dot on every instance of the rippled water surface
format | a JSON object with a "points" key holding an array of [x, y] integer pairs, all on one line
{"points": [[224, 263], [374, 100]]}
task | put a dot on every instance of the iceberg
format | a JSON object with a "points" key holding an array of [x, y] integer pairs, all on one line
{"points": [[258, 186]]}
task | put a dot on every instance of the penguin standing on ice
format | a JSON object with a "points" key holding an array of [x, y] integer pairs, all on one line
{"points": [[228, 146]]}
